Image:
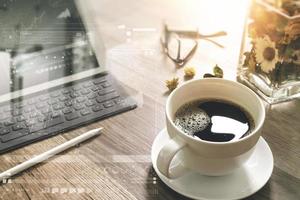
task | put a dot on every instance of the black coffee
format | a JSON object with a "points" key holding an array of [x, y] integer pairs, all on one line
{"points": [[214, 120]]}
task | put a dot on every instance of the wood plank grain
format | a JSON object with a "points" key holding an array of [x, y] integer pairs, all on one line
{"points": [[117, 164]]}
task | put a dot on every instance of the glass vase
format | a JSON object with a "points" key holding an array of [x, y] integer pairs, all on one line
{"points": [[270, 53]]}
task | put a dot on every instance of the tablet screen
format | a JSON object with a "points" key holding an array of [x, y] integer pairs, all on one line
{"points": [[41, 41]]}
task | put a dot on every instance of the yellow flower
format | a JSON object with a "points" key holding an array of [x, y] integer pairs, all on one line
{"points": [[189, 71], [172, 84], [266, 54]]}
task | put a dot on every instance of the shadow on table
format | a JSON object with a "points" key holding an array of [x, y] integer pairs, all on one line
{"points": [[262, 194], [281, 185], [159, 190]]}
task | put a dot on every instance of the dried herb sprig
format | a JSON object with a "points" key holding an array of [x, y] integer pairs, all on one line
{"points": [[172, 83], [189, 72], [217, 73]]}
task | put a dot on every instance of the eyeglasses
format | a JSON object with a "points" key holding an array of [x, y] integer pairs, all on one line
{"points": [[173, 48], [172, 41]]}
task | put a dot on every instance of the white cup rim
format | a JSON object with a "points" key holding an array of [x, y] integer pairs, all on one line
{"points": [[247, 137]]}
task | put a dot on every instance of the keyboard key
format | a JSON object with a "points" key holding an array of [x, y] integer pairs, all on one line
{"points": [[106, 85], [57, 106], [28, 109], [66, 91], [20, 118], [34, 114], [78, 106], [30, 122], [30, 101], [74, 94], [46, 110], [69, 103], [55, 121], [14, 135], [67, 110], [108, 104], [9, 122], [92, 96], [3, 117], [36, 127], [85, 91], [99, 81], [19, 105], [40, 105], [107, 97], [85, 112], [80, 99], [55, 114], [7, 109], [54, 94], [72, 116], [89, 103], [44, 98], [16, 112], [64, 98], [96, 88], [18, 127], [52, 101], [76, 87], [42, 118], [119, 101], [4, 131], [88, 84], [97, 108], [104, 92]]}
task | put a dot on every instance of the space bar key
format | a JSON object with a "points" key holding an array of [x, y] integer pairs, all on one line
{"points": [[54, 121]]}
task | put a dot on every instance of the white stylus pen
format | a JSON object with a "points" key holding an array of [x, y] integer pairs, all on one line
{"points": [[48, 154]]}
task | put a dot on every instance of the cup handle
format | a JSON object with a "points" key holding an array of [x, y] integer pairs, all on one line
{"points": [[166, 155]]}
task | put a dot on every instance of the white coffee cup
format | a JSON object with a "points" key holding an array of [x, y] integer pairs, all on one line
{"points": [[205, 157]]}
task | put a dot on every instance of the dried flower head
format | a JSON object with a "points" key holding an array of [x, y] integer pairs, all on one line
{"points": [[189, 72], [250, 61], [266, 54], [208, 75], [172, 83], [218, 72]]}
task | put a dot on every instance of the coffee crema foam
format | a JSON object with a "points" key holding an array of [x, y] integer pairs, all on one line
{"points": [[214, 120], [191, 119]]}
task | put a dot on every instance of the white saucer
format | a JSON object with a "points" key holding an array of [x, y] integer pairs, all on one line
{"points": [[247, 180]]}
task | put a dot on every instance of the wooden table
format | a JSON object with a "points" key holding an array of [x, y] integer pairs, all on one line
{"points": [[117, 164]]}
